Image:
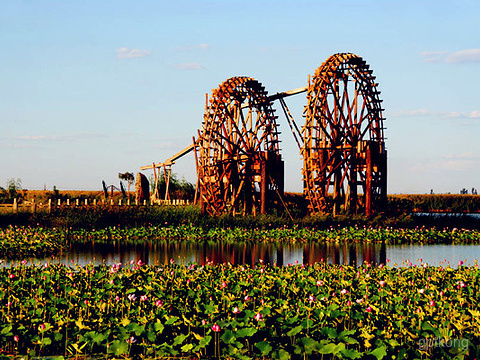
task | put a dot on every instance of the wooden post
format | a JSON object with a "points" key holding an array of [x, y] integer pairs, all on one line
{"points": [[352, 205], [59, 202], [49, 205], [263, 186], [167, 180], [94, 202], [15, 205], [86, 202], [77, 202], [368, 183], [156, 176], [68, 202]]}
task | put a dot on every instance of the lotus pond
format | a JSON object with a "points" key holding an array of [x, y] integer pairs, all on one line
{"points": [[213, 309], [314, 311]]}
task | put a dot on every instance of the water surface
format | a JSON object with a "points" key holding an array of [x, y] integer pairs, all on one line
{"points": [[155, 253]]}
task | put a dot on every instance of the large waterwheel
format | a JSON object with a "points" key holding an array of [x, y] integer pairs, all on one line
{"points": [[239, 165], [344, 154]]}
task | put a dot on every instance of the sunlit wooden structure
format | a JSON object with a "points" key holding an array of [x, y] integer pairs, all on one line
{"points": [[239, 163], [344, 155], [237, 155]]}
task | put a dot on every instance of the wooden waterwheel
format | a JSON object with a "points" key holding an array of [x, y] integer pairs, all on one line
{"points": [[345, 160], [239, 164]]}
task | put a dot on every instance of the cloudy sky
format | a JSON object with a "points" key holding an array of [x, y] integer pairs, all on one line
{"points": [[89, 89]]}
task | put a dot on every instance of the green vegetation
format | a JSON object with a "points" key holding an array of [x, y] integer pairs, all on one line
{"points": [[434, 203], [13, 190], [21, 241], [320, 311], [178, 189]]}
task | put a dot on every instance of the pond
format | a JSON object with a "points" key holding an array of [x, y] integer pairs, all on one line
{"points": [[158, 253]]}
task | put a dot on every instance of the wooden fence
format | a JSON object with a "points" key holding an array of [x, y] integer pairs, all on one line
{"points": [[32, 206]]}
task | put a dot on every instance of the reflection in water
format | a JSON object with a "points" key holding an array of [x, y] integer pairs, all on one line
{"points": [[158, 253]]}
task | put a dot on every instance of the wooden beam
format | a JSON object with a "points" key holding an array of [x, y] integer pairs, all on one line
{"points": [[171, 160]]}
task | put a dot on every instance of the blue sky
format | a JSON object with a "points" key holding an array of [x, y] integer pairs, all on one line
{"points": [[89, 89]]}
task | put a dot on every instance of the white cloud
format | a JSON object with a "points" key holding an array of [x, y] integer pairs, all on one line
{"points": [[433, 56], [475, 114], [37, 137], [203, 46], [450, 163], [189, 66], [71, 137], [462, 56], [126, 53], [468, 155]]}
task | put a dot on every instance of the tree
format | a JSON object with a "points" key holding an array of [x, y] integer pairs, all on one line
{"points": [[178, 189]]}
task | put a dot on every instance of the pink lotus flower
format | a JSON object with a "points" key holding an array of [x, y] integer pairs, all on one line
{"points": [[421, 291], [131, 340], [224, 284], [215, 328], [259, 317], [236, 310], [382, 283], [349, 303], [159, 303], [41, 327], [432, 303], [247, 298], [117, 298], [11, 276], [368, 309], [15, 338], [143, 298], [359, 301], [344, 292], [441, 293], [320, 283]]}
